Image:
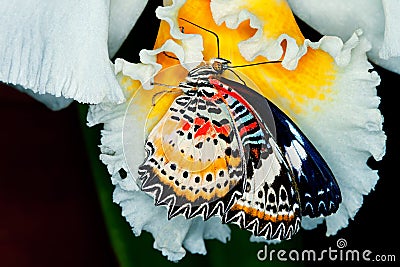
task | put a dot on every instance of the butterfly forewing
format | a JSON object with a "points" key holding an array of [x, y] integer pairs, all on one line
{"points": [[319, 191], [194, 164]]}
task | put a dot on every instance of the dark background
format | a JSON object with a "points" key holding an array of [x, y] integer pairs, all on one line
{"points": [[50, 214]]}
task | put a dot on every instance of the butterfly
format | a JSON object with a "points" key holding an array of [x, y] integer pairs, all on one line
{"points": [[222, 149]]}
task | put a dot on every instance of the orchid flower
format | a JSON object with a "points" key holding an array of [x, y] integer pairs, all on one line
{"points": [[378, 19], [326, 87], [60, 50]]}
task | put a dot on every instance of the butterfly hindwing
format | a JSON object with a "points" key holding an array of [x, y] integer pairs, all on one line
{"points": [[194, 165], [270, 204]]}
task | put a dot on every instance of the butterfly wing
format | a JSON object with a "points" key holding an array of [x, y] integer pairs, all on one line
{"points": [[270, 204], [194, 164], [319, 191], [318, 188]]}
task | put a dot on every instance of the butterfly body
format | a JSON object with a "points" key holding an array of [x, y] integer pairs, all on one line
{"points": [[213, 154]]}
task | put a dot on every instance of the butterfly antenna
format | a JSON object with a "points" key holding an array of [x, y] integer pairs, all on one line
{"points": [[207, 30], [166, 54], [255, 64]]}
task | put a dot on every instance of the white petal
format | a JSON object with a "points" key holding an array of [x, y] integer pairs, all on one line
{"points": [[194, 242], [59, 48], [342, 17], [201, 230], [140, 212], [52, 102], [258, 44], [309, 224], [261, 239], [391, 41], [192, 44], [123, 16], [378, 20], [389, 53], [171, 237], [348, 128], [145, 72], [215, 230]]}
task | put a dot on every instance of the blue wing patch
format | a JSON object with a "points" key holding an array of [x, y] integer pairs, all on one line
{"points": [[318, 188]]}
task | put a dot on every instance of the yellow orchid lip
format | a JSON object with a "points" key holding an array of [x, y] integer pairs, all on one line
{"points": [[295, 87]]}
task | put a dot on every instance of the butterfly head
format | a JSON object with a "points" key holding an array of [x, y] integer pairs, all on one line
{"points": [[219, 65], [197, 81]]}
